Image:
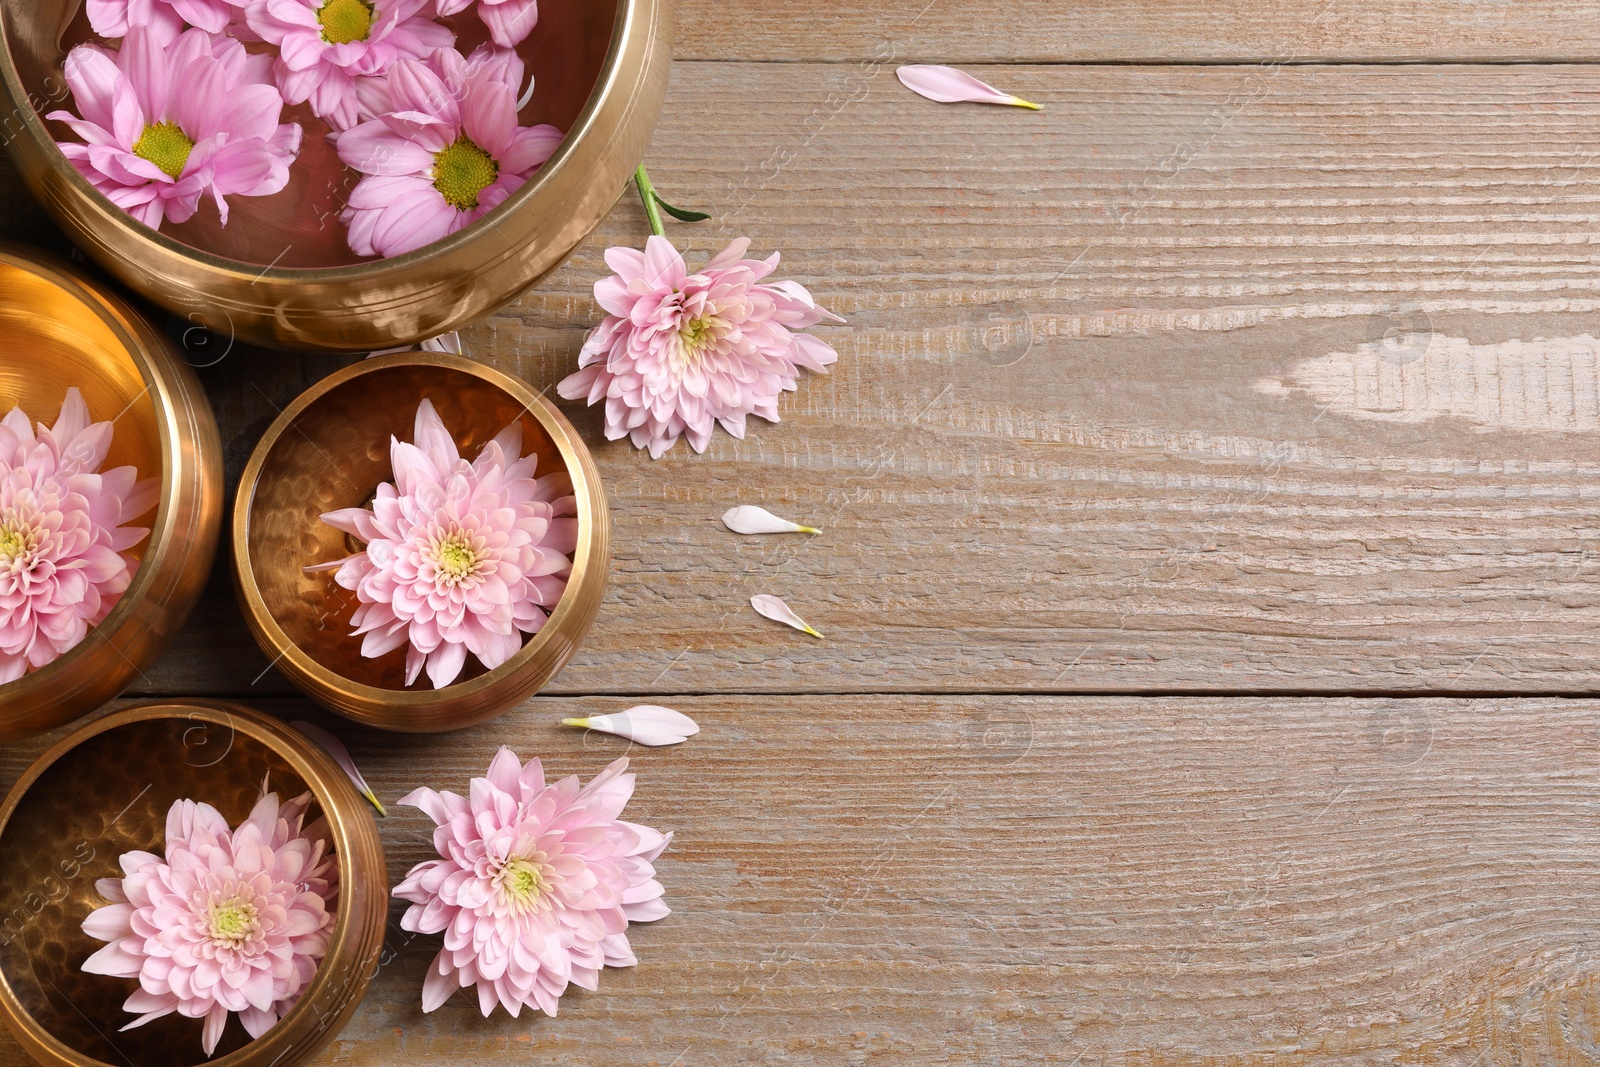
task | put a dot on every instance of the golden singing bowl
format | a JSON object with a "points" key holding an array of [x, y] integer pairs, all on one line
{"points": [[59, 327], [105, 790], [329, 450], [280, 274]]}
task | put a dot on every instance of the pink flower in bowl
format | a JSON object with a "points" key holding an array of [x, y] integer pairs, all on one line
{"points": [[327, 45], [61, 533], [114, 18], [446, 152], [226, 921], [509, 21], [165, 124], [460, 557]]}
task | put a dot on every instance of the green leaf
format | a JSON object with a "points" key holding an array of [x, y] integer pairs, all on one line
{"points": [[677, 212]]}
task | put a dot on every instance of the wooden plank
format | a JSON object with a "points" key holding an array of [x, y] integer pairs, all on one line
{"points": [[1168, 882], [1139, 31], [1186, 382]]}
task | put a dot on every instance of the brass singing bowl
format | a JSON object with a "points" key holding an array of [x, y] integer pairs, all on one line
{"points": [[329, 450], [60, 327], [105, 790], [280, 274]]}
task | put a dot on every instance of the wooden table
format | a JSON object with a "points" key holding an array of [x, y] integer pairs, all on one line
{"points": [[1211, 574]]}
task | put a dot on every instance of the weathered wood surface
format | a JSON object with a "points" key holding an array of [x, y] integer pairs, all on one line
{"points": [[1199, 379], [1138, 31], [1265, 378], [914, 881]]}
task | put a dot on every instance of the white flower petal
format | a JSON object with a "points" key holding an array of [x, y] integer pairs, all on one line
{"points": [[341, 755], [947, 85], [749, 519], [647, 724], [445, 342], [778, 611]]}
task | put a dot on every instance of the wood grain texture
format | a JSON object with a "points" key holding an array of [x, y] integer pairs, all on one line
{"points": [[1260, 378], [1306, 405], [895, 881], [1139, 31]]}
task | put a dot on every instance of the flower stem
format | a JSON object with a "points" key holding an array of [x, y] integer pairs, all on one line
{"points": [[647, 193]]}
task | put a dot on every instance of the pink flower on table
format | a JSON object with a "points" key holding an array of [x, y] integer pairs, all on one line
{"points": [[535, 887], [227, 921], [165, 124], [509, 21], [327, 45], [61, 533], [113, 18], [446, 152], [461, 557], [679, 352]]}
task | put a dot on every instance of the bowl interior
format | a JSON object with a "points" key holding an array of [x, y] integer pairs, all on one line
{"points": [[106, 796], [299, 227], [50, 340], [332, 456]]}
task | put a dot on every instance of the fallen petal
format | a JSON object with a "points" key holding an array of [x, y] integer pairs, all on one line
{"points": [[948, 85], [341, 755], [648, 724], [445, 342], [778, 611], [749, 519]]}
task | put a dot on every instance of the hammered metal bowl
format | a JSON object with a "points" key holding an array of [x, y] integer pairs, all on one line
{"points": [[105, 790], [280, 274], [329, 450], [60, 327]]}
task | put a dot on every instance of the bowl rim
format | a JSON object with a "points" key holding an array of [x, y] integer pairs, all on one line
{"points": [[161, 390], [585, 487], [623, 26], [315, 767]]}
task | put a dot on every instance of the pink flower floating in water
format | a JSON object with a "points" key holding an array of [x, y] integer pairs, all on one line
{"points": [[461, 557], [446, 152], [536, 885], [61, 533], [114, 18], [509, 21], [167, 124], [228, 921], [679, 352], [325, 46]]}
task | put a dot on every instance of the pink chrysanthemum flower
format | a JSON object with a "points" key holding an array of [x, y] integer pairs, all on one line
{"points": [[61, 533], [325, 46], [166, 124], [509, 21], [114, 18], [228, 921], [679, 352], [446, 152], [536, 885], [461, 557]]}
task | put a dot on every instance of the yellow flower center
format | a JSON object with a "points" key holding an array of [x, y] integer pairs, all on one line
{"points": [[14, 542], [695, 333], [696, 336], [232, 920], [166, 146], [344, 21], [19, 539], [455, 558], [521, 881], [461, 171]]}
